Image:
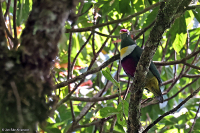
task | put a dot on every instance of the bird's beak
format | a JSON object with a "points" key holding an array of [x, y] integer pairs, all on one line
{"points": [[122, 32]]}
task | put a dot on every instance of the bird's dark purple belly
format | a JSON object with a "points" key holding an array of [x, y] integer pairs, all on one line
{"points": [[129, 66]]}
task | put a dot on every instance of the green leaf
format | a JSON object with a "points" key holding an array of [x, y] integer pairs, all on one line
{"points": [[151, 16], [179, 33], [172, 131], [191, 103], [124, 6], [139, 5], [179, 42], [196, 13], [22, 11], [121, 120], [123, 107], [106, 73], [169, 72], [52, 130], [108, 111]]}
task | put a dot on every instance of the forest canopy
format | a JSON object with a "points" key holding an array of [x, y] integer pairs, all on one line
{"points": [[61, 70]]}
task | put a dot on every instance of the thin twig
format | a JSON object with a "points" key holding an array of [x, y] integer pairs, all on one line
{"points": [[66, 98], [175, 65], [196, 46], [171, 54], [117, 79], [83, 75], [136, 23], [193, 61], [18, 101], [112, 62], [96, 99], [7, 8], [191, 75], [115, 21], [171, 111], [143, 30], [143, 40], [127, 89], [69, 75], [14, 24], [164, 51], [166, 46], [93, 44], [82, 47], [80, 8], [101, 48], [182, 89], [110, 36], [175, 80], [113, 124], [91, 104], [160, 63], [94, 123], [86, 11], [69, 58], [195, 118], [93, 34], [88, 105], [3, 24], [187, 42], [108, 84], [190, 65]]}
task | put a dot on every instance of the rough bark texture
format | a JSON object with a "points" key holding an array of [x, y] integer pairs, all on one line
{"points": [[166, 16], [26, 83]]}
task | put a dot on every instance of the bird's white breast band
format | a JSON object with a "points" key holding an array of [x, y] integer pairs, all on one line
{"points": [[126, 51]]}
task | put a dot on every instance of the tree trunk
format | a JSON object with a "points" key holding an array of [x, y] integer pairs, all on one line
{"points": [[25, 81]]}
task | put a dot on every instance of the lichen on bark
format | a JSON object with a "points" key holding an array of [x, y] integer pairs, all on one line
{"points": [[26, 83]]}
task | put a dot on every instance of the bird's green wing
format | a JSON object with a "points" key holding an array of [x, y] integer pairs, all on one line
{"points": [[152, 67], [155, 72]]}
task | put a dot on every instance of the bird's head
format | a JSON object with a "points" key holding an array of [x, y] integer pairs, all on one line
{"points": [[124, 33], [126, 39]]}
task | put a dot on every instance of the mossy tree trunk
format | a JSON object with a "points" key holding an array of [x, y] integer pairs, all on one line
{"points": [[25, 81]]}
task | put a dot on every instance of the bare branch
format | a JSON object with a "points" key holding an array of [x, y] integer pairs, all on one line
{"points": [[115, 21], [96, 99], [144, 30], [110, 36], [191, 75], [75, 58], [171, 111], [177, 61], [3, 24], [195, 118], [83, 75], [175, 80], [86, 11], [69, 75], [94, 123], [190, 65], [15, 25], [181, 89], [7, 8]]}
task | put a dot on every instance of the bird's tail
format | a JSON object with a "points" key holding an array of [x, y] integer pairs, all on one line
{"points": [[160, 98]]}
